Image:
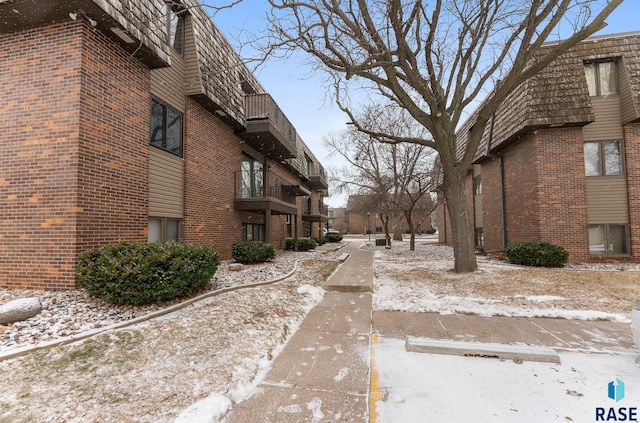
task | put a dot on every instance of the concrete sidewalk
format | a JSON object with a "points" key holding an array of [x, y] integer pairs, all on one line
{"points": [[323, 373]]}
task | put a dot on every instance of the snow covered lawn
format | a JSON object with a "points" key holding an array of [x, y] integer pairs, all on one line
{"points": [[422, 281]]}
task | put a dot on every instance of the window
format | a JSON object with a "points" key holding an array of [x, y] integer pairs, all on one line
{"points": [[252, 232], [174, 21], [166, 127], [602, 158], [252, 177], [477, 185], [479, 238], [163, 229], [610, 239], [602, 78]]}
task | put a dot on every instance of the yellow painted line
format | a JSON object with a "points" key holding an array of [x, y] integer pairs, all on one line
{"points": [[375, 391]]}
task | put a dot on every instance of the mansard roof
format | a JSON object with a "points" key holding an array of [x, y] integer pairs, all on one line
{"points": [[559, 96]]}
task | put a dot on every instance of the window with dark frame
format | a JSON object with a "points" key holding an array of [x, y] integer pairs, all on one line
{"points": [[602, 77], [252, 178], [253, 232], [175, 23], [164, 229], [609, 240], [603, 158], [166, 127]]}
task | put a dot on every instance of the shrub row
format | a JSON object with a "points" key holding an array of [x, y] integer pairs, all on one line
{"points": [[333, 237], [143, 273], [304, 244], [539, 254], [253, 252]]}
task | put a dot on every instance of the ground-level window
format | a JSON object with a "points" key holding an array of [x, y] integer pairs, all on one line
{"points": [[479, 238], [606, 240], [602, 158], [164, 229], [252, 232]]}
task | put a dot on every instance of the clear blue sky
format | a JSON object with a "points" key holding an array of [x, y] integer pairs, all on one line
{"points": [[306, 101]]}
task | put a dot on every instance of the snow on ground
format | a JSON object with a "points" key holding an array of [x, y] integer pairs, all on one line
{"points": [[421, 281], [421, 387], [195, 364]]}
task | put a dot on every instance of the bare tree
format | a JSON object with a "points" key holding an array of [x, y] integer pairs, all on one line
{"points": [[434, 59], [395, 176]]}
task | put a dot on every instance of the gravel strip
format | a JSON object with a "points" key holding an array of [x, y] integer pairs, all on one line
{"points": [[70, 312]]}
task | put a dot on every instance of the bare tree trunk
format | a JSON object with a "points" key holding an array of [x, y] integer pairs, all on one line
{"points": [[397, 226], [412, 239], [461, 224], [385, 224]]}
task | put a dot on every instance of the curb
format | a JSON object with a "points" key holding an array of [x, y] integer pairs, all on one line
{"points": [[517, 353], [19, 352]]}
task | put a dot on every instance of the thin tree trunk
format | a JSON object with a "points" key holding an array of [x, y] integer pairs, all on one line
{"points": [[385, 224], [412, 239]]}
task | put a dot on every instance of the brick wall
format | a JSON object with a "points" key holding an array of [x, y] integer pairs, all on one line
{"points": [[492, 206], [545, 197], [562, 187], [39, 104], [632, 168], [212, 155], [66, 100], [113, 145]]}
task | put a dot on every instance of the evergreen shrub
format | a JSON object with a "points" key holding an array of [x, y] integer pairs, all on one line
{"points": [[142, 273], [253, 252], [539, 254]]}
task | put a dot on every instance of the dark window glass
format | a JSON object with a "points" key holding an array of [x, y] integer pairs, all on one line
{"points": [[166, 128], [252, 177], [174, 18]]}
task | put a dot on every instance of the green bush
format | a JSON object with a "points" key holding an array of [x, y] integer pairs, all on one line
{"points": [[304, 244], [253, 252], [539, 254], [147, 272], [319, 241], [431, 231], [333, 237]]}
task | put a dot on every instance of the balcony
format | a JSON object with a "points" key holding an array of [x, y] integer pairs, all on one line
{"points": [[268, 129], [319, 214], [262, 192], [317, 178]]}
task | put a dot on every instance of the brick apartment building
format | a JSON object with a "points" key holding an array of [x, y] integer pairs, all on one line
{"points": [[560, 163], [137, 122]]}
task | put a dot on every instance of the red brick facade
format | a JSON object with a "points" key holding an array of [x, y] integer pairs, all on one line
{"points": [[212, 155], [74, 157], [67, 143]]}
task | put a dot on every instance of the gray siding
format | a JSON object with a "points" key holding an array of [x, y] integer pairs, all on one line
{"points": [[607, 199], [166, 184], [627, 105], [168, 83], [607, 125]]}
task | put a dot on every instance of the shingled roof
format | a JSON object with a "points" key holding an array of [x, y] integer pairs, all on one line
{"points": [[559, 96]]}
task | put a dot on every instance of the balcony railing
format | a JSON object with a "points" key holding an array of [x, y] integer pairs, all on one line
{"points": [[252, 185], [317, 177], [268, 129]]}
